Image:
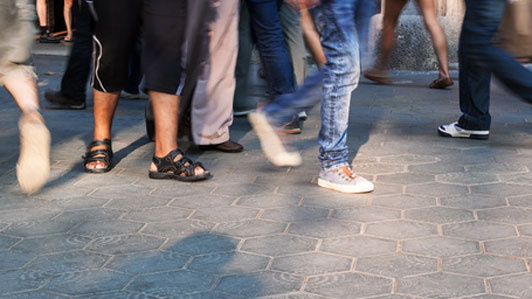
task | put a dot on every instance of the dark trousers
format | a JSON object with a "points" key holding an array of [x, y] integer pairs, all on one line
{"points": [[266, 24], [74, 82], [479, 58]]}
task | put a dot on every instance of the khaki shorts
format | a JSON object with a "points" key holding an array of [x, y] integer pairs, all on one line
{"points": [[17, 32]]}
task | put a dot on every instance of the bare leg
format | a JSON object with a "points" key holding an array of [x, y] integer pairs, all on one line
{"points": [[379, 73], [104, 110], [23, 88], [312, 39], [67, 14], [438, 35], [41, 13], [165, 111]]}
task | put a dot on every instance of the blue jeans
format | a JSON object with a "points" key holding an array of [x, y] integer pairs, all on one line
{"points": [[479, 58], [266, 24], [338, 22]]}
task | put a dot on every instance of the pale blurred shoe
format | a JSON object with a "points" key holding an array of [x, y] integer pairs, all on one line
{"points": [[272, 145], [343, 179], [33, 166]]}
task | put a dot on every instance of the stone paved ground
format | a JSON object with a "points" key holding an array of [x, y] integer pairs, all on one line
{"points": [[448, 219]]}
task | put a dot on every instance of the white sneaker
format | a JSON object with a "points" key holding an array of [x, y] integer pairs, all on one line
{"points": [[455, 131], [271, 144], [33, 165], [343, 179]]}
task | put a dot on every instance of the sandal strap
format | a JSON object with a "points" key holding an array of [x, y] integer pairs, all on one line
{"points": [[182, 166], [105, 142]]}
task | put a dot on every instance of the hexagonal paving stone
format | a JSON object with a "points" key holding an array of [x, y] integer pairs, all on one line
{"points": [[521, 247], [20, 280], [311, 264], [516, 285], [409, 159], [479, 230], [117, 295], [510, 215], [105, 180], [379, 168], [349, 285], [437, 189], [436, 168], [382, 189], [137, 202], [518, 178], [106, 228], [52, 244], [440, 285], [358, 246], [326, 228], [483, 265], [86, 282], [244, 189], [78, 203], [68, 262], [467, 178], [367, 214], [404, 201], [6, 242], [183, 190], [488, 297], [521, 201], [121, 193], [336, 201], [34, 229], [473, 202], [178, 228], [147, 262], [259, 284], [401, 229], [295, 214], [203, 201], [125, 244], [525, 230], [172, 283], [439, 215], [406, 178], [157, 214], [201, 244], [397, 265], [252, 228], [36, 214], [33, 295], [269, 201], [441, 247], [225, 214], [502, 189], [229, 263], [10, 260], [298, 295], [497, 168], [65, 192], [279, 245]]}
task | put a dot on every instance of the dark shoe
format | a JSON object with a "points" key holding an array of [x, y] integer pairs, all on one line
{"points": [[441, 83], [227, 147], [47, 38], [181, 170], [378, 77], [293, 127], [59, 102], [103, 156]]}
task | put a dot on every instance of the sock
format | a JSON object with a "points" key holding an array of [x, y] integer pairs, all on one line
{"points": [[44, 30]]}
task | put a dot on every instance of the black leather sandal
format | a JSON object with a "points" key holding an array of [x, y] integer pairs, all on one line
{"points": [[181, 170], [100, 155]]}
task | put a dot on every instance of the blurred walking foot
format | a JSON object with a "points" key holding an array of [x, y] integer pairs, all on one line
{"points": [[59, 102], [47, 38], [33, 166], [343, 179], [227, 147], [271, 143], [380, 77], [293, 127], [441, 83]]}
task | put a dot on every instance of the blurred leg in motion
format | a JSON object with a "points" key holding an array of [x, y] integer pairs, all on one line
{"points": [[67, 14], [17, 75]]}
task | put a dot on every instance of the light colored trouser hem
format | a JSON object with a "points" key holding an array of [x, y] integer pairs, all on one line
{"points": [[212, 103]]}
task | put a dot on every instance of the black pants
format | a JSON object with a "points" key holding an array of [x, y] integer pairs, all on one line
{"points": [[74, 82]]}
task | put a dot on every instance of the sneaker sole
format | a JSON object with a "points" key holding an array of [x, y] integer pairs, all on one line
{"points": [[471, 136], [271, 145], [33, 166], [346, 188]]}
